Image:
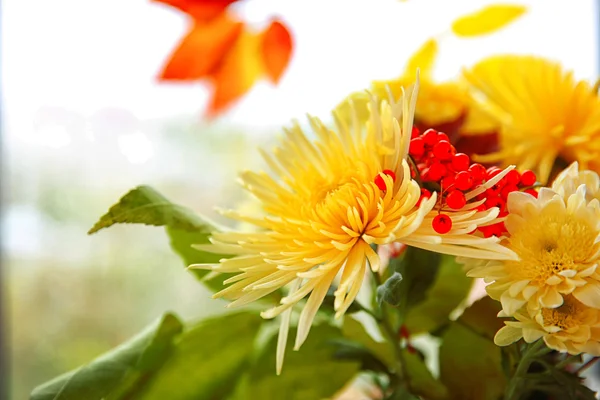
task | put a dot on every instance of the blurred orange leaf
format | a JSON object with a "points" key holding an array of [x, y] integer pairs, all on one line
{"points": [[219, 48], [487, 20], [241, 68], [200, 10], [202, 50], [276, 49]]}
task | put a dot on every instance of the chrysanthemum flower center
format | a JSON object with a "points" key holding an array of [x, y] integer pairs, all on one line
{"points": [[549, 244], [566, 316], [354, 208]]}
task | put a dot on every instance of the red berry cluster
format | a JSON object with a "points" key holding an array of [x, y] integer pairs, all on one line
{"points": [[452, 174], [497, 195]]}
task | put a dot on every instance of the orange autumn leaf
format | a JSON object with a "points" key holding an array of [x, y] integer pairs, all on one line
{"points": [[202, 50], [219, 49], [276, 50], [200, 10], [239, 71]]}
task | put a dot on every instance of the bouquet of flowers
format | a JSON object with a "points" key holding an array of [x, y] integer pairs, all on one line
{"points": [[365, 241]]}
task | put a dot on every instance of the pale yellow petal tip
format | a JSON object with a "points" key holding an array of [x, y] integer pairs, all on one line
{"points": [[507, 335]]}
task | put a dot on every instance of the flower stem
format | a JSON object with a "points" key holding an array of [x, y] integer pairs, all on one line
{"points": [[587, 364], [390, 335], [532, 351]]}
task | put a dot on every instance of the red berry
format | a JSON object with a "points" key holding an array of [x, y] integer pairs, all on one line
{"points": [[437, 171], [447, 182], [460, 162], [417, 148], [425, 194], [487, 231], [481, 207], [379, 180], [430, 137], [442, 150], [415, 132], [495, 202], [404, 332], [507, 189], [477, 171], [442, 223], [463, 180], [513, 177], [492, 172], [532, 192], [442, 136], [456, 200], [528, 178]]}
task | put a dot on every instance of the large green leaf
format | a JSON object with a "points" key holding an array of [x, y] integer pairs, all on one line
{"points": [[207, 360], [144, 205], [119, 372], [355, 331], [418, 269], [470, 362], [182, 241], [420, 379], [309, 373], [450, 288]]}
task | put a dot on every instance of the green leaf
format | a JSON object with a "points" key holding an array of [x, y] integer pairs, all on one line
{"points": [[481, 317], [391, 290], [470, 362], [207, 360], [181, 242], [309, 373], [355, 331], [352, 351], [144, 205], [418, 268], [421, 380], [118, 372], [450, 288]]}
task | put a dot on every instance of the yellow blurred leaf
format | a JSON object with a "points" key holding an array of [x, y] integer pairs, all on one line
{"points": [[487, 20], [356, 102], [424, 58]]}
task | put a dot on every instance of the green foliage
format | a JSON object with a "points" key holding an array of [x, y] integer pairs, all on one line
{"points": [[391, 290], [181, 242], [355, 331], [420, 380], [449, 289], [144, 205], [470, 362], [207, 360], [118, 372], [418, 269], [309, 373]]}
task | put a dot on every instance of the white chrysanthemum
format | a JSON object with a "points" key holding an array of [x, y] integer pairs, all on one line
{"points": [[556, 237], [573, 327]]}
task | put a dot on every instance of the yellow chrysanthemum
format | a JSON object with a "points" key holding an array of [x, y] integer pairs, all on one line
{"points": [[324, 210], [439, 105], [544, 113], [573, 327], [557, 239]]}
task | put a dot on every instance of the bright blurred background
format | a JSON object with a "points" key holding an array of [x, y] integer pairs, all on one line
{"points": [[84, 120]]}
